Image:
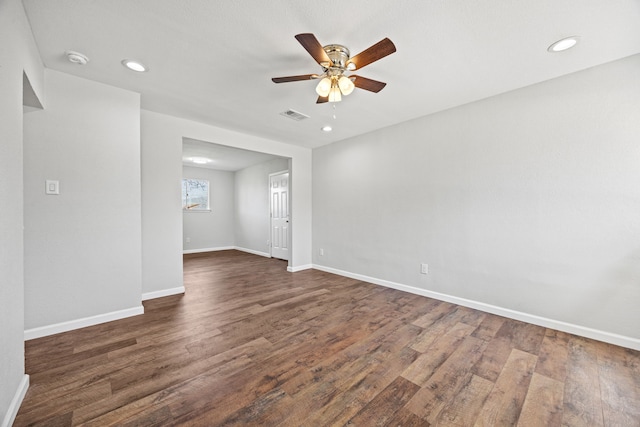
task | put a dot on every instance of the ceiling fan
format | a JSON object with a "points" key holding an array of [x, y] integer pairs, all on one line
{"points": [[335, 60]]}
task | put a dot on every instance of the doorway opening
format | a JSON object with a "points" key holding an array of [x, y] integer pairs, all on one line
{"points": [[240, 213]]}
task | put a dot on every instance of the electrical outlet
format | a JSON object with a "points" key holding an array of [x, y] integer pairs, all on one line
{"points": [[188, 239], [52, 187], [424, 268], [321, 251]]}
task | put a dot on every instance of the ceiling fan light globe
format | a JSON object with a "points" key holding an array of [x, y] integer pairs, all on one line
{"points": [[335, 95], [324, 87], [346, 85], [351, 66]]}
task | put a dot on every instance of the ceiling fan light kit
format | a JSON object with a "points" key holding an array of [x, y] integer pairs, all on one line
{"points": [[346, 85], [335, 60], [324, 87], [334, 94]]}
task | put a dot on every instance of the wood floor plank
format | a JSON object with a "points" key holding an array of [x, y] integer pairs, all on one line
{"points": [[269, 409], [489, 326], [464, 409], [219, 365], [345, 382], [438, 309], [543, 404], [444, 385], [252, 344], [619, 385], [427, 363], [406, 418], [66, 378], [552, 359], [521, 335], [379, 411], [504, 403], [493, 359], [151, 417], [457, 315], [351, 400], [67, 401], [582, 404]]}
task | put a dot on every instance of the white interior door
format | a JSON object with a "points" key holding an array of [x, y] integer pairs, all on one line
{"points": [[279, 188]]}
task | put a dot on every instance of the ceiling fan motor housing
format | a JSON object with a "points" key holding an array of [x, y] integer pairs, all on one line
{"points": [[339, 56]]}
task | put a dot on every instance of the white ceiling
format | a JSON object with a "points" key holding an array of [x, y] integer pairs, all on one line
{"points": [[212, 61], [222, 157]]}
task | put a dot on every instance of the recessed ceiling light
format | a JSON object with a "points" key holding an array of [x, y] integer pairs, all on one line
{"points": [[200, 160], [326, 128], [564, 44], [134, 65]]}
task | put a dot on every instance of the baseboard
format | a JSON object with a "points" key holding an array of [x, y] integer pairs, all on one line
{"points": [[57, 328], [251, 251], [227, 248], [608, 337], [14, 406], [197, 251], [163, 293], [299, 268]]}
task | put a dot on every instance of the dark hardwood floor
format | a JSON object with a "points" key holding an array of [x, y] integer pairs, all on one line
{"points": [[250, 344]]}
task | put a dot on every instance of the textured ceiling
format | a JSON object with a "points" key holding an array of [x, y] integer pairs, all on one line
{"points": [[221, 157], [212, 61]]}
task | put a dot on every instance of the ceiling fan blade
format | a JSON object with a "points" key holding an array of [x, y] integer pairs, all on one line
{"points": [[294, 78], [313, 46], [378, 51], [322, 99], [368, 84]]}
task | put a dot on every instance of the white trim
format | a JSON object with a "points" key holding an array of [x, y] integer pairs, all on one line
{"points": [[14, 406], [197, 251], [70, 325], [226, 248], [251, 251], [278, 173], [300, 268], [611, 338], [163, 293]]}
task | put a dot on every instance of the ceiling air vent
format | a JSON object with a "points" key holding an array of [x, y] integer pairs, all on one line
{"points": [[295, 115]]}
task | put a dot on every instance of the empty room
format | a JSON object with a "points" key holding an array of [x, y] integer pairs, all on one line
{"points": [[296, 213]]}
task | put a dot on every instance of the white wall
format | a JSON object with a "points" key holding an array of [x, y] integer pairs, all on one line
{"points": [[527, 201], [252, 208], [161, 208], [82, 247], [18, 53], [214, 229]]}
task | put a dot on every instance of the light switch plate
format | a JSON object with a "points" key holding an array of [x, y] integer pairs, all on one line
{"points": [[52, 187], [424, 268]]}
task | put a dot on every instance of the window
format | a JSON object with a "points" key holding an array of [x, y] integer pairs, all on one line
{"points": [[195, 194]]}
